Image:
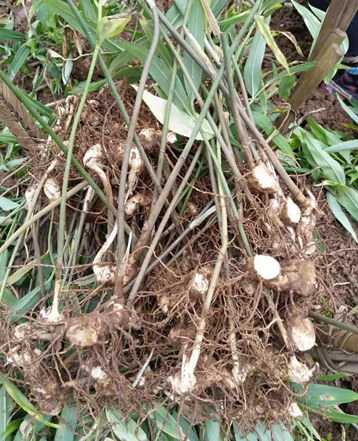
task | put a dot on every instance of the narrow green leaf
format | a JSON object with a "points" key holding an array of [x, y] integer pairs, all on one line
{"points": [[125, 431], [217, 6], [68, 422], [212, 430], [343, 146], [340, 215], [196, 26], [26, 303], [349, 110], [17, 62], [179, 121], [5, 412], [161, 73], [67, 69], [22, 401], [290, 37], [330, 377], [311, 21], [7, 204], [286, 85], [339, 416], [348, 197], [281, 433], [319, 395], [21, 272], [309, 426], [11, 427], [266, 32], [109, 27], [89, 9], [234, 19], [318, 157], [252, 70], [264, 122], [166, 422], [174, 14], [9, 35], [162, 50], [185, 425], [4, 258]]}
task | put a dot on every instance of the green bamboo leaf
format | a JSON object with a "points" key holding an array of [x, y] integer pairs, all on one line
{"points": [[175, 16], [109, 27], [340, 214], [266, 32], [22, 401], [253, 65], [125, 430], [68, 422], [180, 122], [9, 35], [196, 26], [330, 377], [22, 54]]}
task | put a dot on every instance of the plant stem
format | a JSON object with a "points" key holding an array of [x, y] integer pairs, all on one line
{"points": [[62, 222], [128, 146], [161, 227]]}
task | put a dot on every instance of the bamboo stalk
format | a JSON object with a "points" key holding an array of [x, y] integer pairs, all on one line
{"points": [[339, 15], [327, 58]]}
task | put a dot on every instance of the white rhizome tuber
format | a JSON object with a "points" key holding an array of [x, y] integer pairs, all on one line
{"points": [[299, 372], [52, 189], [266, 267], [263, 180], [301, 333]]}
